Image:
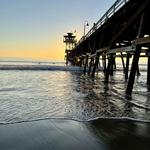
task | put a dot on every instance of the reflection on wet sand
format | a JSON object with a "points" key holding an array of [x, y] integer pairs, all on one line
{"points": [[108, 100], [122, 135], [58, 134]]}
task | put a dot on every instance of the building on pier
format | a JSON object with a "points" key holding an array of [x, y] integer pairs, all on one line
{"points": [[70, 43]]}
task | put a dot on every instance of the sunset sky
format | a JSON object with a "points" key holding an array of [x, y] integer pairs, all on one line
{"points": [[35, 28]]}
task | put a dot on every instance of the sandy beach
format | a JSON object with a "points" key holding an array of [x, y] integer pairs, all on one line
{"points": [[58, 134]]}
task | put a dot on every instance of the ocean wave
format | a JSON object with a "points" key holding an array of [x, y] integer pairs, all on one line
{"points": [[51, 67], [129, 99], [79, 120], [40, 67]]}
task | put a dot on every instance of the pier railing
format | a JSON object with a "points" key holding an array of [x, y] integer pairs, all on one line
{"points": [[113, 9]]}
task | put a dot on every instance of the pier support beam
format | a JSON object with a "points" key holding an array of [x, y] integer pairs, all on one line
{"points": [[95, 65], [80, 62], [112, 59], [107, 73], [91, 62], [99, 63], [138, 71], [86, 63], [114, 62], [148, 68], [123, 64], [134, 67], [104, 63], [127, 65]]}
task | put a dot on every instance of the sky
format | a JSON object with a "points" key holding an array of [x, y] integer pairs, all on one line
{"points": [[35, 28]]}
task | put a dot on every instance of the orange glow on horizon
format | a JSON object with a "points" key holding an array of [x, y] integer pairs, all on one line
{"points": [[47, 50]]}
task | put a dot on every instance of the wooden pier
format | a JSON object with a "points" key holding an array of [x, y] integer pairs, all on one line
{"points": [[123, 31]]}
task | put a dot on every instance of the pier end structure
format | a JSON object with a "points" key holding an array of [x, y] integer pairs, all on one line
{"points": [[70, 43]]}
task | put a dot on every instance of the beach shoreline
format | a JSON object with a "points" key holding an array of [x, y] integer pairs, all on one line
{"points": [[56, 134]]}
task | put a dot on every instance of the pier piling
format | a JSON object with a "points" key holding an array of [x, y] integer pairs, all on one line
{"points": [[95, 64], [135, 67], [148, 68], [86, 63], [127, 66]]}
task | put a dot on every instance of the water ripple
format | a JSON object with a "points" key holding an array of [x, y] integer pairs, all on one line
{"points": [[30, 95]]}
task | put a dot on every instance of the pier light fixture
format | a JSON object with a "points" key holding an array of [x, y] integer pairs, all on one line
{"points": [[146, 35], [85, 25], [145, 48]]}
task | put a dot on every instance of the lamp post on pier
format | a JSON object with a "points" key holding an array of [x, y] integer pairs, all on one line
{"points": [[85, 25]]}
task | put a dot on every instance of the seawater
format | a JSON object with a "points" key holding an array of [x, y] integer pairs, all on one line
{"points": [[29, 94]]}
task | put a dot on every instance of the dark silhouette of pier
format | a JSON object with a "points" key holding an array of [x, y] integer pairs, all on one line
{"points": [[123, 31]]}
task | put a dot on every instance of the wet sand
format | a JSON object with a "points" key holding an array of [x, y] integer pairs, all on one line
{"points": [[59, 134]]}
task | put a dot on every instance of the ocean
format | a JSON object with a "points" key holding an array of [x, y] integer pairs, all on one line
{"points": [[31, 91]]}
